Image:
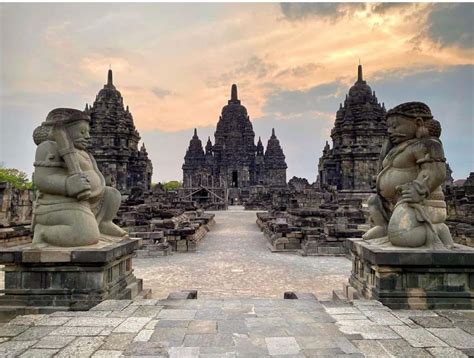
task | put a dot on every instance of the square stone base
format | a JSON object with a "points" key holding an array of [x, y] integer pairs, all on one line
{"points": [[54, 279], [403, 278]]}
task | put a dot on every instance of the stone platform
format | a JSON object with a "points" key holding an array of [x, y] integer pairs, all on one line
{"points": [[413, 278], [60, 279], [199, 328]]}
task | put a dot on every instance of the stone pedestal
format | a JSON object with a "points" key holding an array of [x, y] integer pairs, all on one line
{"points": [[403, 278], [54, 279]]}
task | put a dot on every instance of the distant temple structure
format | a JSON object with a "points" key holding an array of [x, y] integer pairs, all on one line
{"points": [[234, 162], [115, 142], [358, 135]]}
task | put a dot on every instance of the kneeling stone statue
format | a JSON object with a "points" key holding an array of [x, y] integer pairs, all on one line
{"points": [[409, 208], [73, 205]]}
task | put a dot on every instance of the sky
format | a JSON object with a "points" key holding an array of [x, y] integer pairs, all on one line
{"points": [[293, 63]]}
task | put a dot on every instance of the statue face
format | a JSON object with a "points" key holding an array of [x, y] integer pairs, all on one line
{"points": [[79, 133], [401, 129]]}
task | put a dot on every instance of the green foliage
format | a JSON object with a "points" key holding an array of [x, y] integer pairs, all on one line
{"points": [[15, 177], [171, 185]]}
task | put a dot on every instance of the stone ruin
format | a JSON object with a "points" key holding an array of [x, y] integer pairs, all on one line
{"points": [[164, 223], [16, 209], [460, 202], [314, 230]]}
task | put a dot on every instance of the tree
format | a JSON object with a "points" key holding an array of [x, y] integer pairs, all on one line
{"points": [[171, 185], [15, 177]]}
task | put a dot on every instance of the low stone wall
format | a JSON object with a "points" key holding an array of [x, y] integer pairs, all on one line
{"points": [[16, 209], [280, 236], [312, 231], [15, 235], [180, 233]]}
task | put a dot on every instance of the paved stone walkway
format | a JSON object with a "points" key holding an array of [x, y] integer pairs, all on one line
{"points": [[240, 328], [234, 261]]}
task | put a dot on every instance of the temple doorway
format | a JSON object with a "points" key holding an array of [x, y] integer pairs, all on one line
{"points": [[235, 181]]}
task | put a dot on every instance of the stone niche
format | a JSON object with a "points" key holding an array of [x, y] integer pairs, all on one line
{"points": [[413, 278], [60, 279]]}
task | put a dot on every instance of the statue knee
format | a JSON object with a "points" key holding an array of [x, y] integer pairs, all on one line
{"points": [[84, 232], [112, 199], [414, 237], [374, 199]]}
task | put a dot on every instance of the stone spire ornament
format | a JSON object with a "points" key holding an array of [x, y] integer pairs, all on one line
{"points": [[233, 95]]}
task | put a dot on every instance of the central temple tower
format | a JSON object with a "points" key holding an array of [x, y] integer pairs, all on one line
{"points": [[234, 149], [234, 161]]}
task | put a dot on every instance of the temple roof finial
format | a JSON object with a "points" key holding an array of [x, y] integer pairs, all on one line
{"points": [[273, 132], [233, 93], [359, 73], [195, 132], [109, 78]]}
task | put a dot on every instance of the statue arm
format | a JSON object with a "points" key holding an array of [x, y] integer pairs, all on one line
{"points": [[431, 163], [49, 175], [431, 171], [96, 168], [48, 180]]}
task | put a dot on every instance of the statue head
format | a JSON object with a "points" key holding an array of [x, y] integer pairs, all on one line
{"points": [[75, 121], [411, 120]]}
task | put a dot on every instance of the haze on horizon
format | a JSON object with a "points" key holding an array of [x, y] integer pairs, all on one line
{"points": [[293, 63]]}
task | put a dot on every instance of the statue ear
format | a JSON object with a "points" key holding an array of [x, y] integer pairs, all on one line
{"points": [[421, 131]]}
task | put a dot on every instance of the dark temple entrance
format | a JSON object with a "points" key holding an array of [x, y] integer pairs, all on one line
{"points": [[235, 182]]}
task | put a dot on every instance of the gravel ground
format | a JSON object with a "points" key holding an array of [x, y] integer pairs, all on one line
{"points": [[234, 261]]}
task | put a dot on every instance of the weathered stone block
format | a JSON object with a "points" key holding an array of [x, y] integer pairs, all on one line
{"points": [[413, 278], [72, 284]]}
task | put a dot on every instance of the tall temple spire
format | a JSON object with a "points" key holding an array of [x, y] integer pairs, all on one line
{"points": [[195, 132], [359, 73], [273, 133], [233, 93], [109, 78]]}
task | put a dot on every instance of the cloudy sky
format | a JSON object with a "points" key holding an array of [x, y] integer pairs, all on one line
{"points": [[293, 63]]}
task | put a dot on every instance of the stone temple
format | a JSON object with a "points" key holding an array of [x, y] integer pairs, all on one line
{"points": [[358, 135], [234, 162], [115, 142]]}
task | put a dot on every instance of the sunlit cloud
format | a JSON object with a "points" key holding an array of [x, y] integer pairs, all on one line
{"points": [[174, 63]]}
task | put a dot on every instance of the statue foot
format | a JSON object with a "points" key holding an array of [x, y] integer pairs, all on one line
{"points": [[110, 229], [375, 233], [382, 241], [39, 245], [111, 239]]}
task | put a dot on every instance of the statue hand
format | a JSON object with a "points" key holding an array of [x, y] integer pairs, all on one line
{"points": [[78, 185], [410, 193]]}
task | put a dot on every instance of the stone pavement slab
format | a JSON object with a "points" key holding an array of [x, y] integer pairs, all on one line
{"points": [[418, 337], [274, 328], [454, 337], [282, 345]]}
